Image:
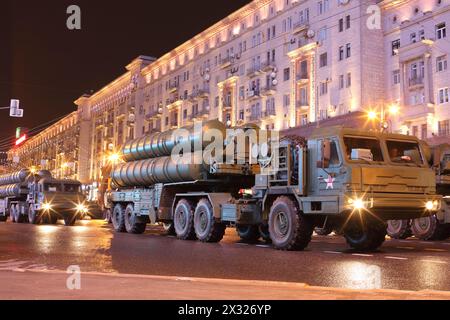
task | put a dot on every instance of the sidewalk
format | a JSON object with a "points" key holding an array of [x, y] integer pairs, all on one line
{"points": [[52, 285]]}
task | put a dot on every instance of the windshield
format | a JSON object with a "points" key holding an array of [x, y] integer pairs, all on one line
{"points": [[72, 188], [363, 149], [404, 152], [53, 187]]}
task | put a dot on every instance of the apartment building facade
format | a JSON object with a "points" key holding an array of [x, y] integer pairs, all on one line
{"points": [[282, 64], [57, 149], [417, 48]]}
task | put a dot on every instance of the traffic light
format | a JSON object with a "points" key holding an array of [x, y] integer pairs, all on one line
{"points": [[21, 135], [21, 140]]}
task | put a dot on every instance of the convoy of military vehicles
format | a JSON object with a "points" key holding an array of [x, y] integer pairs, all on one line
{"points": [[37, 198], [360, 184]]}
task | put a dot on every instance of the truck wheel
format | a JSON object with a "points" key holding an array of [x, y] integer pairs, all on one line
{"points": [[207, 228], [289, 229], [107, 215], [34, 216], [183, 220], [131, 224], [70, 220], [53, 219], [429, 229], [248, 233], [399, 229], [324, 231], [118, 218], [264, 233], [366, 236], [13, 214]]}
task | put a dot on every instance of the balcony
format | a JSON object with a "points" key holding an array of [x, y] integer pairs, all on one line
{"points": [[253, 94], [173, 87], [302, 78], [226, 62], [99, 123], [268, 66], [153, 114], [303, 104], [416, 82], [227, 104], [255, 117], [254, 71], [199, 94], [268, 91], [301, 26], [173, 124], [174, 103], [270, 113], [417, 112], [200, 114]]}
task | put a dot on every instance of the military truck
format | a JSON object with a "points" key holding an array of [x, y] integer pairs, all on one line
{"points": [[352, 179], [39, 198], [436, 226]]}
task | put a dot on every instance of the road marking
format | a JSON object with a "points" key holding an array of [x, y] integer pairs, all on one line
{"points": [[396, 258], [332, 252], [362, 255], [263, 246], [435, 261], [242, 244], [435, 250], [406, 248]]}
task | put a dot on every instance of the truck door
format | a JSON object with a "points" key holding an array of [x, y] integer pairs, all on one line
{"points": [[329, 164]]}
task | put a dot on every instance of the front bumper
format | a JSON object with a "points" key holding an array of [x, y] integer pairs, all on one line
{"points": [[395, 206]]}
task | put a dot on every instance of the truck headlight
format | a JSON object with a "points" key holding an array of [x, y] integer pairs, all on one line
{"points": [[432, 205], [47, 207], [357, 204], [81, 208]]}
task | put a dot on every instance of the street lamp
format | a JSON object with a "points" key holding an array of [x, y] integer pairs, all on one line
{"points": [[385, 118]]}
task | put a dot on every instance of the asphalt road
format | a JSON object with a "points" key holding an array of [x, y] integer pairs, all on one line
{"points": [[92, 245]]}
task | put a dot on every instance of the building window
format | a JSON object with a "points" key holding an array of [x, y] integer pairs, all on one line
{"points": [[349, 80], [441, 63], [323, 60], [216, 102], [287, 100], [424, 132], [443, 96], [415, 131], [341, 25], [396, 76], [413, 37], [323, 88], [395, 47], [287, 74], [441, 31], [341, 53], [348, 50], [444, 128], [341, 82], [422, 34], [348, 22]]}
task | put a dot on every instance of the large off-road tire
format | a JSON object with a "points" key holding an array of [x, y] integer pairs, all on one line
{"points": [[207, 228], [3, 218], [430, 229], [183, 220], [264, 233], [366, 236], [324, 231], [53, 219], [20, 218], [399, 229], [70, 219], [289, 228], [248, 233], [13, 214], [131, 221], [107, 215], [34, 216], [118, 218]]}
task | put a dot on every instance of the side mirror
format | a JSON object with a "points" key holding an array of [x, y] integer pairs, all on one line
{"points": [[325, 147]]}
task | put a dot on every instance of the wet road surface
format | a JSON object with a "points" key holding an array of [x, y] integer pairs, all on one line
{"points": [[92, 245]]}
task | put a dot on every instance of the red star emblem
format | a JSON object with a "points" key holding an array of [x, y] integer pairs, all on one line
{"points": [[330, 182]]}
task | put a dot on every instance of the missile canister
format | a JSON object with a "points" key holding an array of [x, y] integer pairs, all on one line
{"points": [[153, 171], [162, 144], [14, 190], [14, 178]]}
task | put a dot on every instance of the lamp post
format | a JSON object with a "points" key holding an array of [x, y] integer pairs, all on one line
{"points": [[385, 117]]}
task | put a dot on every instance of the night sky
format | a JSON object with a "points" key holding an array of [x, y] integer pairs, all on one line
{"points": [[47, 66]]}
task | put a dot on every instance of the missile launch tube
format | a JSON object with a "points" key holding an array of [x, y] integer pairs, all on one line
{"points": [[162, 144], [14, 190], [153, 171], [14, 178]]}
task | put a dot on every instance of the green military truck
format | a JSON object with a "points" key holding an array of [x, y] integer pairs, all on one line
{"points": [[436, 226], [351, 179], [39, 198]]}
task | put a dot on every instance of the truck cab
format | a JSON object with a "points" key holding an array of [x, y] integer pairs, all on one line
{"points": [[52, 199]]}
